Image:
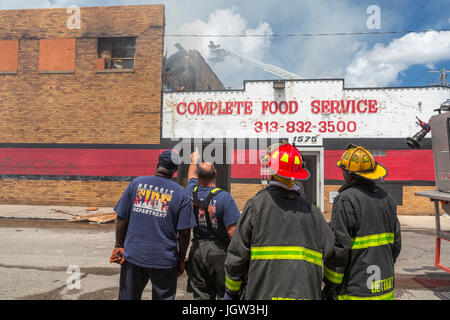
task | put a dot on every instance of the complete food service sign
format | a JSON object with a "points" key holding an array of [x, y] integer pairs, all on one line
{"points": [[304, 112]]}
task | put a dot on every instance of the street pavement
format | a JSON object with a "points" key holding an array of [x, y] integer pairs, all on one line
{"points": [[41, 255]]}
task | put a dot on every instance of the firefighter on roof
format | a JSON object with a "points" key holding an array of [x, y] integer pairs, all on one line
{"points": [[281, 239], [367, 232]]}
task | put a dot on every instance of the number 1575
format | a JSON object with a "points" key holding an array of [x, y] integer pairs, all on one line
{"points": [[304, 139]]}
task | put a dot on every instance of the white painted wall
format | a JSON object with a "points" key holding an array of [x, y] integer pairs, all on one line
{"points": [[395, 118]]}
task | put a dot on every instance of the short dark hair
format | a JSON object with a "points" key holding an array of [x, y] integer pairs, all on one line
{"points": [[206, 175], [357, 179]]}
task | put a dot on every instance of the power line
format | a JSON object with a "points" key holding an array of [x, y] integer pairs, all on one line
{"points": [[420, 77], [303, 34]]}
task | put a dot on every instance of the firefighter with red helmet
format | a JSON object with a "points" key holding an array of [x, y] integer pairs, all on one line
{"points": [[281, 239], [367, 232]]}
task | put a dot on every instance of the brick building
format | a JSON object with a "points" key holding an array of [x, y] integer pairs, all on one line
{"points": [[80, 102], [187, 70]]}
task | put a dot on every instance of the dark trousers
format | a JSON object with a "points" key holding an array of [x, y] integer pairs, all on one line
{"points": [[205, 269], [134, 279]]}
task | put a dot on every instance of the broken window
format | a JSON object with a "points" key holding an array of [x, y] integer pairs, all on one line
{"points": [[116, 53]]}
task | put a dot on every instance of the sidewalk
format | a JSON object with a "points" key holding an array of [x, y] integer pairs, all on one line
{"points": [[424, 222], [30, 212]]}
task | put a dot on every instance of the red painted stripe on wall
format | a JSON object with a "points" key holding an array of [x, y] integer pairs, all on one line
{"points": [[401, 165], [85, 162], [246, 164]]}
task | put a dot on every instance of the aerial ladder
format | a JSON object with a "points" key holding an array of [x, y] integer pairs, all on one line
{"points": [[217, 53]]}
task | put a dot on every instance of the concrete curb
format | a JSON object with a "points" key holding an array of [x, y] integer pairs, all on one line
{"points": [[34, 219], [46, 213]]}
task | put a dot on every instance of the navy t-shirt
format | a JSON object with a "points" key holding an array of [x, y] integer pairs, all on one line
{"points": [[223, 211], [155, 208]]}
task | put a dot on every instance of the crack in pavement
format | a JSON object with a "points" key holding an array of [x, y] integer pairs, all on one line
{"points": [[99, 271], [435, 282], [428, 232]]}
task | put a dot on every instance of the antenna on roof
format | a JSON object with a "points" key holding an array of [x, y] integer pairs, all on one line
{"points": [[442, 78]]}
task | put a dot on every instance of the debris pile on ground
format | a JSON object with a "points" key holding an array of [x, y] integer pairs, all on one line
{"points": [[99, 217]]}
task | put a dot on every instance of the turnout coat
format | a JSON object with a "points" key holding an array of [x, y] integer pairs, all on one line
{"points": [[368, 242], [278, 248]]}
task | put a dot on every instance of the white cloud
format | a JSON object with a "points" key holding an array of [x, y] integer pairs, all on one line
{"points": [[226, 22], [381, 65]]}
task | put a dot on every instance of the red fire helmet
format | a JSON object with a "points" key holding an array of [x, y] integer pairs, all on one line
{"points": [[286, 161]]}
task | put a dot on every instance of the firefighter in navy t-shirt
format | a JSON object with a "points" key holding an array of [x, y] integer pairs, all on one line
{"points": [[217, 216], [152, 213]]}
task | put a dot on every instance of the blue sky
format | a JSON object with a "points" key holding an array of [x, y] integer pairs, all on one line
{"points": [[363, 60]]}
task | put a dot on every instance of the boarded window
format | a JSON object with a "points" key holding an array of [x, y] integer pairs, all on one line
{"points": [[9, 52], [116, 53], [57, 55]]}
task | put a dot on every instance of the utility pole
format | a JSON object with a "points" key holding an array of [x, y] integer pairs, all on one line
{"points": [[442, 78]]}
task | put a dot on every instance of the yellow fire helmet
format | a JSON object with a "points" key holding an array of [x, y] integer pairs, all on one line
{"points": [[360, 161]]}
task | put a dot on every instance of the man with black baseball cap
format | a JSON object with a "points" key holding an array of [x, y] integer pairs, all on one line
{"points": [[154, 214]]}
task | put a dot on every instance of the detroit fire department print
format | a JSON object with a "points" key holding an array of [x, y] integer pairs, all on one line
{"points": [[212, 215], [152, 200]]}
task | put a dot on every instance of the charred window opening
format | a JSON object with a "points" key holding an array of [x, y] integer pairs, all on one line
{"points": [[116, 53]]}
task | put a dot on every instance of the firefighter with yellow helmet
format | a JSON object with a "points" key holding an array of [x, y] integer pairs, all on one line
{"points": [[367, 232], [281, 239]]}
